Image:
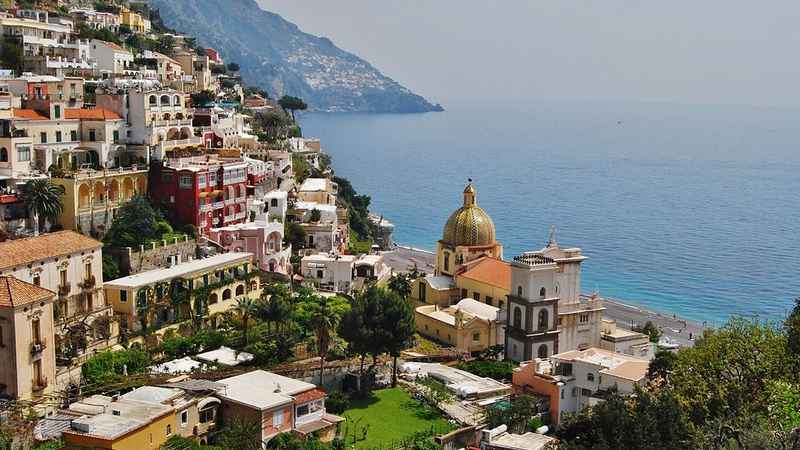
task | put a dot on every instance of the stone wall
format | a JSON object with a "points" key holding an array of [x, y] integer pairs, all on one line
{"points": [[155, 256]]}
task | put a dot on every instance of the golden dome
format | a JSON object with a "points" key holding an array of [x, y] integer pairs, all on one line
{"points": [[469, 225]]}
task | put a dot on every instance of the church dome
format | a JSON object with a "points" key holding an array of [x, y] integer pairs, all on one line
{"points": [[469, 225]]}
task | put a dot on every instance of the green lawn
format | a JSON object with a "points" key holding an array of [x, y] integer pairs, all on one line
{"points": [[390, 415]]}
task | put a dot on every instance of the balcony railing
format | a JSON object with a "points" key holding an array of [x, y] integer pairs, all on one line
{"points": [[40, 384], [38, 347], [64, 289], [88, 282]]}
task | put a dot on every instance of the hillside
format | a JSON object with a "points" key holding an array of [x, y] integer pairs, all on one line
{"points": [[277, 56]]}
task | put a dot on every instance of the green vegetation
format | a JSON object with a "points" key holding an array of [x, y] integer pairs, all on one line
{"points": [[357, 246], [110, 268], [87, 32], [302, 169], [182, 443], [50, 445], [499, 370], [138, 223], [292, 104], [650, 329], [388, 416], [516, 414], [202, 98], [357, 206], [111, 366], [11, 54], [44, 199], [294, 234]]}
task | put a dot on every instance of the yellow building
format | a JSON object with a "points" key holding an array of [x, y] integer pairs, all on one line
{"points": [[125, 425], [468, 326], [92, 197], [160, 298], [486, 279], [134, 21]]}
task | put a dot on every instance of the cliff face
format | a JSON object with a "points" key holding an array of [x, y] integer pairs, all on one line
{"points": [[277, 56]]}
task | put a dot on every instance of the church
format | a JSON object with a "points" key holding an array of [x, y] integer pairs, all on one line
{"points": [[536, 296]]}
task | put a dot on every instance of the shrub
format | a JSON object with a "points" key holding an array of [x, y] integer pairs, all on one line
{"points": [[337, 402], [498, 370]]}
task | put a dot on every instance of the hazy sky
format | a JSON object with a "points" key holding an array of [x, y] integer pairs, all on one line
{"points": [[688, 51]]}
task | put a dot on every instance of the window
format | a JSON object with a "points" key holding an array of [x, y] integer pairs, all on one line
{"points": [[23, 153], [446, 262], [43, 137], [207, 414], [543, 319], [187, 181], [169, 429], [87, 271], [273, 203], [73, 135], [57, 111], [476, 296], [63, 277], [277, 418], [302, 410], [476, 337], [584, 318], [562, 394], [543, 292], [517, 317], [590, 377], [116, 135], [123, 296], [320, 274], [500, 304], [422, 291], [3, 155], [184, 417], [542, 352], [464, 293], [519, 291], [166, 177], [488, 300], [37, 280], [152, 100], [92, 135], [58, 136]]}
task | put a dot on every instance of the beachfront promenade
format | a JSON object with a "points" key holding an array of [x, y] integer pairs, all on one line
{"points": [[676, 329]]}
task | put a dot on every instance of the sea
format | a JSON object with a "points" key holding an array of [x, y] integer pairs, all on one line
{"points": [[681, 209]]}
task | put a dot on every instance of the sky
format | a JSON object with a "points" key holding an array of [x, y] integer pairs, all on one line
{"points": [[682, 51]]}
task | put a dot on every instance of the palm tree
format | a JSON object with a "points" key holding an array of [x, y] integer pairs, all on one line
{"points": [[43, 199], [247, 308], [322, 322]]}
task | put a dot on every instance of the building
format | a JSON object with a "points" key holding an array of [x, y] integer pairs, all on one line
{"points": [[92, 197], [318, 190], [501, 439], [328, 272], [280, 404], [206, 192], [629, 342], [137, 298], [577, 379], [463, 384], [71, 265], [262, 238], [112, 60], [133, 20], [26, 340], [97, 20], [469, 326], [546, 313], [46, 87]]}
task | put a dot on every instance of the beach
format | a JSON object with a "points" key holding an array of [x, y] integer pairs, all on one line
{"points": [[676, 329]]}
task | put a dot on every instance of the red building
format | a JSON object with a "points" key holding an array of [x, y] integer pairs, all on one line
{"points": [[205, 191]]}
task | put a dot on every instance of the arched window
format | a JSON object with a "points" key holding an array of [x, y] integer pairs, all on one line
{"points": [[590, 377], [273, 203], [519, 291], [446, 257], [542, 292], [166, 116], [517, 317], [213, 299], [3, 155], [542, 352], [165, 100], [177, 100], [153, 100], [226, 294], [543, 319], [240, 290]]}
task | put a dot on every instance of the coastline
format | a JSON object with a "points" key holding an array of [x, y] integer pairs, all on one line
{"points": [[677, 329]]}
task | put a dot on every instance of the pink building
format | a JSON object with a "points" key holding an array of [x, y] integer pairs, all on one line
{"points": [[262, 238]]}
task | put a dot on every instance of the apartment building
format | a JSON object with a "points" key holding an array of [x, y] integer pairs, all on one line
{"points": [[26, 340], [69, 264], [261, 237], [112, 60]]}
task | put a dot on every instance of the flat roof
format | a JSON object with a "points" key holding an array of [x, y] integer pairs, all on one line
{"points": [[261, 389], [314, 184], [152, 394], [457, 380], [614, 364], [225, 356], [324, 257], [120, 418], [527, 441], [198, 265], [440, 282]]}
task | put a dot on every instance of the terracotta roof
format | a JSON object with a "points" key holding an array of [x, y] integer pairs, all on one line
{"points": [[488, 270], [91, 114], [29, 114], [15, 292], [19, 252], [114, 46], [307, 396]]}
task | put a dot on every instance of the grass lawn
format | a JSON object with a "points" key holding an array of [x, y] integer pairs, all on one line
{"points": [[391, 415]]}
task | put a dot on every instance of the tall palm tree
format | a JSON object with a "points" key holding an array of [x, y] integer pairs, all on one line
{"points": [[247, 307], [43, 199], [323, 322]]}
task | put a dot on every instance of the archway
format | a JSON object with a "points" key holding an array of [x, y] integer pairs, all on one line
{"points": [[226, 294], [542, 352], [173, 134], [113, 192], [274, 242], [213, 299], [99, 192], [240, 290], [84, 196], [127, 189], [165, 100], [153, 100]]}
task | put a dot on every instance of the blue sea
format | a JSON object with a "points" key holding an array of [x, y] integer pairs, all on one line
{"points": [[691, 210]]}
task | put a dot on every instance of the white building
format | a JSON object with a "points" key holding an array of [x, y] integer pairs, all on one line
{"points": [[329, 272], [111, 59]]}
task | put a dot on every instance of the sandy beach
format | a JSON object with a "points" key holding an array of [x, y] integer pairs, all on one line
{"points": [[678, 330]]}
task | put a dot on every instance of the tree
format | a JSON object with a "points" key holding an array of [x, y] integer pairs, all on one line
{"points": [[649, 329], [247, 308], [166, 44], [294, 234], [292, 104], [316, 215], [323, 323], [43, 199], [792, 328], [233, 67], [400, 284], [241, 434], [398, 327], [110, 268], [136, 223], [202, 98], [515, 415], [661, 365]]}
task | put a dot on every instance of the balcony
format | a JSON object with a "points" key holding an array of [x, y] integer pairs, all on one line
{"points": [[64, 289], [240, 215], [88, 282], [38, 347], [40, 384], [173, 123]]}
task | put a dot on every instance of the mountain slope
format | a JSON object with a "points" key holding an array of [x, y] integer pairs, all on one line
{"points": [[276, 55]]}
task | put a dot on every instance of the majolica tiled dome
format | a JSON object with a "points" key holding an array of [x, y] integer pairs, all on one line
{"points": [[469, 225]]}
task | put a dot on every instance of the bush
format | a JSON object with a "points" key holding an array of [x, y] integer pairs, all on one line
{"points": [[109, 366], [163, 228], [337, 402], [498, 370]]}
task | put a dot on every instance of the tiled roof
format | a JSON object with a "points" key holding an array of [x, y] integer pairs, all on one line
{"points": [[489, 270], [19, 252], [91, 114], [307, 396], [29, 114], [15, 292]]}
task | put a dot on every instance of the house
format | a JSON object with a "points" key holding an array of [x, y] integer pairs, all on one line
{"points": [[112, 60], [620, 340], [28, 371], [133, 20], [318, 190], [500, 438], [577, 379], [463, 384], [279, 404], [69, 264], [262, 238], [329, 272], [135, 298], [225, 356], [469, 326]]}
